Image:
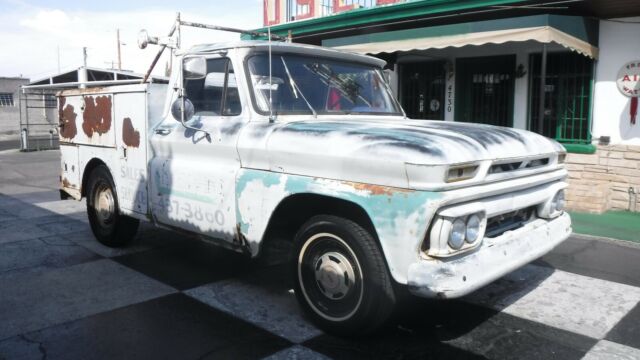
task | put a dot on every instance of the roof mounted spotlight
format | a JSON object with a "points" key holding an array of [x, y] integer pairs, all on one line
{"points": [[144, 39]]}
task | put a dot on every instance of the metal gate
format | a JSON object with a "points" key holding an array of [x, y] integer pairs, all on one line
{"points": [[567, 101], [38, 119], [485, 90], [423, 88]]}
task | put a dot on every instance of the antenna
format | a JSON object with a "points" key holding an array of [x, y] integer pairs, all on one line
{"points": [[119, 54], [271, 118], [178, 23]]}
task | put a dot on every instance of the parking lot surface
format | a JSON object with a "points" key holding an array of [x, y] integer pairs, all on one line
{"points": [[65, 296]]}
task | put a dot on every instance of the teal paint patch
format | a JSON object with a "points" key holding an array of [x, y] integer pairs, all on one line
{"points": [[246, 176], [384, 209]]}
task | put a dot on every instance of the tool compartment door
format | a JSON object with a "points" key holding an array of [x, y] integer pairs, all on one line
{"points": [[87, 119], [130, 117]]}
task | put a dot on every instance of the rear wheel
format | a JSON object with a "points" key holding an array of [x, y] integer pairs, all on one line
{"points": [[341, 279], [107, 224]]}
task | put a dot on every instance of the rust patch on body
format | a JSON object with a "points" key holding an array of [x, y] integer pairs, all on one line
{"points": [[377, 189], [130, 136], [96, 115], [66, 183], [66, 119]]}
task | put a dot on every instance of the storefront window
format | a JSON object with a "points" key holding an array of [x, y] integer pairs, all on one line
{"points": [[567, 101]]}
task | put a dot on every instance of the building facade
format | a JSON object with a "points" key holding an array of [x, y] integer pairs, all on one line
{"points": [[10, 105], [567, 70]]}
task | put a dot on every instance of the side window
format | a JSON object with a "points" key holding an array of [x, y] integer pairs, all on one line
{"points": [[232, 105], [216, 94]]}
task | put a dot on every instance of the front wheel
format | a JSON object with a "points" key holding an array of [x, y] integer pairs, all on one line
{"points": [[107, 224], [341, 279]]}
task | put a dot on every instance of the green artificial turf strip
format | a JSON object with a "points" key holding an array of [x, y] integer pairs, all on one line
{"points": [[623, 225]]}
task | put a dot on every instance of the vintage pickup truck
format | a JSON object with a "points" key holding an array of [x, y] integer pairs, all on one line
{"points": [[254, 141]]}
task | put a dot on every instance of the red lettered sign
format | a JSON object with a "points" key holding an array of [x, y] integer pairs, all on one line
{"points": [[628, 82], [629, 79]]}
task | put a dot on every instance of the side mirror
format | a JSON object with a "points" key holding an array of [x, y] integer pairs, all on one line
{"points": [[194, 68], [177, 110]]}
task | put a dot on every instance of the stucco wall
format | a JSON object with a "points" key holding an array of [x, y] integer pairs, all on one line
{"points": [[10, 115], [619, 44]]}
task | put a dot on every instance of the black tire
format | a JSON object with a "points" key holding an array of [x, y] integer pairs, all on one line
{"points": [[108, 226], [328, 252]]}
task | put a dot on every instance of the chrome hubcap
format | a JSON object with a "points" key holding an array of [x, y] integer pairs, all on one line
{"points": [[104, 205], [334, 275], [330, 277]]}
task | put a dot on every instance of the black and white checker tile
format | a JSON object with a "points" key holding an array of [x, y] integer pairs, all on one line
{"points": [[64, 296]]}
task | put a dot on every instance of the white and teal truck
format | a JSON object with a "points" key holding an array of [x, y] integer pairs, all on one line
{"points": [[257, 141]]}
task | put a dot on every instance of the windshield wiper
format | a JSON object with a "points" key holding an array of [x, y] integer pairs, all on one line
{"points": [[295, 88], [347, 87]]}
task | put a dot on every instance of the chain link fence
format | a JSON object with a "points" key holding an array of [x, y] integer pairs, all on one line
{"points": [[38, 119]]}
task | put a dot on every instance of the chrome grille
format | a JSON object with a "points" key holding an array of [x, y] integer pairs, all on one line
{"points": [[517, 165]]}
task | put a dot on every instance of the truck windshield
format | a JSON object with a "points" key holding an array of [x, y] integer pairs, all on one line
{"points": [[310, 85]]}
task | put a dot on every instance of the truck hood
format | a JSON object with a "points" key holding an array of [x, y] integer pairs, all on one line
{"points": [[362, 150], [412, 141]]}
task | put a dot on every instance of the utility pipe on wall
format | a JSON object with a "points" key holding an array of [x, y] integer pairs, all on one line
{"points": [[543, 84]]}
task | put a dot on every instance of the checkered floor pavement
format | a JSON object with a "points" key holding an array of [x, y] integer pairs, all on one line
{"points": [[65, 296]]}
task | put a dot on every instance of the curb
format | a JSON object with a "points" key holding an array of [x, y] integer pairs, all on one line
{"points": [[626, 243]]}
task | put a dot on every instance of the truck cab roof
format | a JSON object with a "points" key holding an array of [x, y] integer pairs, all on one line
{"points": [[279, 46]]}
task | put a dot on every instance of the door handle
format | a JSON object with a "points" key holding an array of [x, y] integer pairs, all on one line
{"points": [[163, 131]]}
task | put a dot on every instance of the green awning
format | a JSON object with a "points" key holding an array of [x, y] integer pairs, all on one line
{"points": [[575, 33]]}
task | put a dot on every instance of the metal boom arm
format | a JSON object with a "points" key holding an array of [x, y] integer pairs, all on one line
{"points": [[155, 60], [180, 22], [224, 28]]}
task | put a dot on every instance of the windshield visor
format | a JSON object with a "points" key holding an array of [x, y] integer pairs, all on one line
{"points": [[304, 85]]}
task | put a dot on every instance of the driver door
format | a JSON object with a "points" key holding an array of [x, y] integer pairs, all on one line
{"points": [[193, 168]]}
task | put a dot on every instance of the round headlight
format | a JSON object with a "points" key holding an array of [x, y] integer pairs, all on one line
{"points": [[473, 228], [559, 201], [456, 238]]}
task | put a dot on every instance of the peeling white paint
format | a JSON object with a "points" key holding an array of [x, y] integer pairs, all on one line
{"points": [[255, 208]]}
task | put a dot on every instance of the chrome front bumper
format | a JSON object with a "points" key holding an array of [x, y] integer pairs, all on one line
{"points": [[458, 276]]}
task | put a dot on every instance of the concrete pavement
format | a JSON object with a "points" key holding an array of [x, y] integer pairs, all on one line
{"points": [[63, 295]]}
